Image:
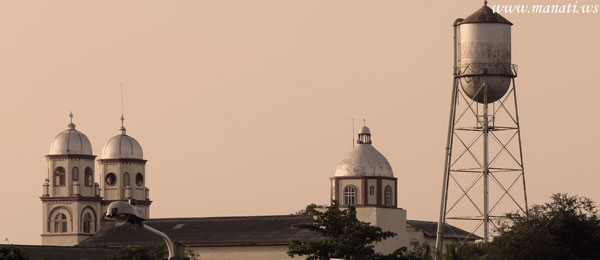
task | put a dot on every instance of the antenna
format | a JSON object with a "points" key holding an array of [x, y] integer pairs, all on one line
{"points": [[353, 133], [122, 106]]}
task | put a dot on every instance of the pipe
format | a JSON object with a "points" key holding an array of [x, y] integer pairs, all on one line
{"points": [[448, 153], [170, 245]]}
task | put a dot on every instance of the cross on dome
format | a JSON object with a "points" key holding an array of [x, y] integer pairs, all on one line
{"points": [[122, 129], [71, 125]]}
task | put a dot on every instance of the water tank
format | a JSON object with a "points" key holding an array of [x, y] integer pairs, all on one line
{"points": [[485, 55]]}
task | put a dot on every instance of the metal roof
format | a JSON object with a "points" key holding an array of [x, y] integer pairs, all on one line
{"points": [[231, 231], [485, 15], [36, 252], [429, 229], [211, 231]]}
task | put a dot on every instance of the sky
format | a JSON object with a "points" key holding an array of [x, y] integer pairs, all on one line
{"points": [[245, 107]]}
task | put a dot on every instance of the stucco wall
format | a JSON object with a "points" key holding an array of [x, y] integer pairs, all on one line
{"points": [[388, 219], [242, 252]]}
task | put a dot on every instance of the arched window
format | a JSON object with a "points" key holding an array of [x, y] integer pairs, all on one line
{"points": [[87, 223], [372, 190], [59, 176], [139, 179], [75, 174], [89, 177], [111, 179], [125, 179], [388, 196], [350, 195], [60, 223]]}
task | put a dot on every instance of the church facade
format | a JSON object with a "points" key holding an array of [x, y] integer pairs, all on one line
{"points": [[73, 202]]}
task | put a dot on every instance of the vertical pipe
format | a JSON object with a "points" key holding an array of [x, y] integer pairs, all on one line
{"points": [[448, 150], [486, 217], [520, 146]]}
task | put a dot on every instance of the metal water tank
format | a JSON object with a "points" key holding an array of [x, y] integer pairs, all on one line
{"points": [[485, 55]]}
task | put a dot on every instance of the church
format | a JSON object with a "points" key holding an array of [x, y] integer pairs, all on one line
{"points": [[73, 203], [75, 198]]}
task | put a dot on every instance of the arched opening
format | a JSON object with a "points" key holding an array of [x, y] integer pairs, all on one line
{"points": [[87, 223], [75, 173], [126, 179], [60, 223], [139, 179], [350, 195], [59, 176], [389, 198], [89, 177]]}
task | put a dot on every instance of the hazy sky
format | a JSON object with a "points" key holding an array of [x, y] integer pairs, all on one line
{"points": [[243, 107]]}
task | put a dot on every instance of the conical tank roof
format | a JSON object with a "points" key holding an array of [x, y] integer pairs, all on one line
{"points": [[485, 15]]}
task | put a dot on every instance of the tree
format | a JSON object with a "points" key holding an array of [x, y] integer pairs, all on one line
{"points": [[343, 236], [566, 228], [12, 253], [146, 252]]}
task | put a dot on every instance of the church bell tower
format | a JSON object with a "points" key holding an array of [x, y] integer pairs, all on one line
{"points": [[70, 198], [123, 171]]}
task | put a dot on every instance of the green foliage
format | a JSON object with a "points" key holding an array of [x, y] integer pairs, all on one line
{"points": [[456, 251], [343, 236], [192, 255], [567, 228], [147, 252], [12, 253]]}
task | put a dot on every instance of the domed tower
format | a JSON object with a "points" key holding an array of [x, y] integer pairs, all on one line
{"points": [[364, 179], [123, 171], [70, 199]]}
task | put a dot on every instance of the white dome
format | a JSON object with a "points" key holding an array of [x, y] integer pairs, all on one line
{"points": [[122, 146], [364, 160], [364, 130], [70, 141]]}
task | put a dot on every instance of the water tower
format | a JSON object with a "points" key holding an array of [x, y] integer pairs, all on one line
{"points": [[483, 171]]}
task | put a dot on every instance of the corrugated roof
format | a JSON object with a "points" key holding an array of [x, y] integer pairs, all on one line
{"points": [[429, 229], [211, 231], [231, 231], [485, 15], [35, 252]]}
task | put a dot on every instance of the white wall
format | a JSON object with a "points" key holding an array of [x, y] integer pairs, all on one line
{"points": [[242, 252], [388, 219]]}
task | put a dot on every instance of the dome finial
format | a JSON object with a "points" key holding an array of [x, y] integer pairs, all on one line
{"points": [[71, 125], [485, 2], [122, 129], [364, 135]]}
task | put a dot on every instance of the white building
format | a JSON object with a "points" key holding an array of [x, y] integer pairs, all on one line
{"points": [[73, 203], [364, 178], [73, 212]]}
